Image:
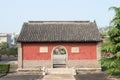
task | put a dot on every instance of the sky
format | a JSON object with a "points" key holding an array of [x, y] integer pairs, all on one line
{"points": [[13, 13]]}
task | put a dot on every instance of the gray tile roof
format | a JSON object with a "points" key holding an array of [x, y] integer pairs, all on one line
{"points": [[59, 31]]}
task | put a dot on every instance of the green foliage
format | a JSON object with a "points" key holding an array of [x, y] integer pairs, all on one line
{"points": [[114, 35], [4, 48], [116, 19], [117, 54], [4, 68], [9, 50], [13, 50], [108, 48], [112, 63]]}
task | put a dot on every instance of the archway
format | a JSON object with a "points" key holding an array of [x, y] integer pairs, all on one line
{"points": [[59, 57]]}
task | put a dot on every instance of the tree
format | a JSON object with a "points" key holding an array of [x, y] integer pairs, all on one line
{"points": [[13, 50], [4, 48], [9, 50], [112, 63], [116, 20]]}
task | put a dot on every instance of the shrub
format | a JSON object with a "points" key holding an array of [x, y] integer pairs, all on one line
{"points": [[4, 68]]}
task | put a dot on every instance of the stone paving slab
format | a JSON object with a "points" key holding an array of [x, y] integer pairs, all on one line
{"points": [[21, 77], [59, 77]]}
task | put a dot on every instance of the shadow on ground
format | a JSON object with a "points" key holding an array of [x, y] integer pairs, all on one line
{"points": [[2, 75], [21, 77], [91, 76]]}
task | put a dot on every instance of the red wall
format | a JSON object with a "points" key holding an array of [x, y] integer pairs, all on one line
{"points": [[31, 51]]}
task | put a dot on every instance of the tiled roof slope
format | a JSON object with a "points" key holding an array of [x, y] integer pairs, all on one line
{"points": [[59, 31]]}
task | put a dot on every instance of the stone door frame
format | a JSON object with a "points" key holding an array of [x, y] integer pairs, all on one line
{"points": [[53, 52]]}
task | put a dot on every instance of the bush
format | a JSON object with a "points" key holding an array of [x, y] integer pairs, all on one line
{"points": [[104, 68], [4, 68]]}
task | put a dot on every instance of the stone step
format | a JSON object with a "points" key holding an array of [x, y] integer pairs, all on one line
{"points": [[59, 66], [48, 71], [59, 77], [61, 71], [29, 71]]}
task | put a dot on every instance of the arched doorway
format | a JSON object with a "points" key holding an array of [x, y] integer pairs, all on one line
{"points": [[59, 57]]}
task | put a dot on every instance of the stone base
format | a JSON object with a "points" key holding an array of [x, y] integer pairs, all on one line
{"points": [[88, 70], [83, 64], [36, 63]]}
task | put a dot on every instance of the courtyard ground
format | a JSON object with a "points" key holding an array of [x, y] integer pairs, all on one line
{"points": [[87, 76], [21, 77], [94, 76], [80, 76]]}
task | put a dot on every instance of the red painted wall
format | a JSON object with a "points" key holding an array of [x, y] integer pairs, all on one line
{"points": [[31, 51]]}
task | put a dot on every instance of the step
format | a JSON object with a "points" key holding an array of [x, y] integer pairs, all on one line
{"points": [[61, 71], [59, 66], [59, 77], [29, 71]]}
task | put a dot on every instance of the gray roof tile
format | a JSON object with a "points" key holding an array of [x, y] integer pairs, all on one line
{"points": [[59, 31]]}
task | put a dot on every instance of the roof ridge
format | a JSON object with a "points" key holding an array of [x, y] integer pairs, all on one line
{"points": [[59, 21]]}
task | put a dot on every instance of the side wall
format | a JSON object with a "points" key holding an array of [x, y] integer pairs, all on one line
{"points": [[87, 56]]}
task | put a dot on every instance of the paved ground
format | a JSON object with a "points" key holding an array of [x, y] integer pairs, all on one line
{"points": [[81, 76], [21, 77], [87, 76], [93, 76]]}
